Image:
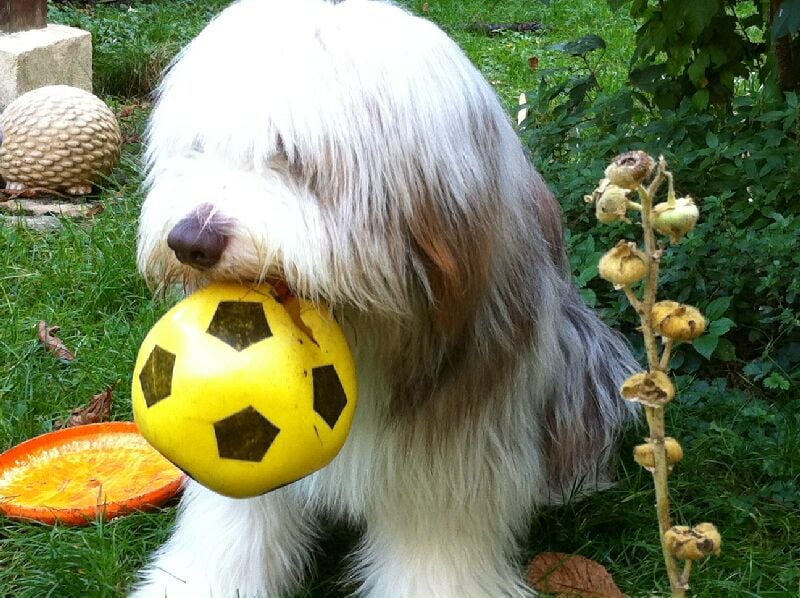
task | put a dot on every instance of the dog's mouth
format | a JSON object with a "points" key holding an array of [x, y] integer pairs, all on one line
{"points": [[199, 241]]}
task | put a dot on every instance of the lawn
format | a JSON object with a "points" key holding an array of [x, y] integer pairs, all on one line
{"points": [[742, 447]]}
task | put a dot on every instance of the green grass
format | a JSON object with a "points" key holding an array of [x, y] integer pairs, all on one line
{"points": [[503, 58], [743, 458]]}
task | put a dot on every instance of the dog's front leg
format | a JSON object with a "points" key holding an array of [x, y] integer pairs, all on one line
{"points": [[440, 552], [231, 548]]}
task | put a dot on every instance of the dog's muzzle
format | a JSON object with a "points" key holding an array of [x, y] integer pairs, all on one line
{"points": [[196, 240]]}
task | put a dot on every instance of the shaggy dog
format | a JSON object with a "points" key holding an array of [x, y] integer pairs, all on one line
{"points": [[351, 150]]}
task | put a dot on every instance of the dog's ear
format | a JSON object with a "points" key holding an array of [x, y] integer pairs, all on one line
{"points": [[456, 252]]}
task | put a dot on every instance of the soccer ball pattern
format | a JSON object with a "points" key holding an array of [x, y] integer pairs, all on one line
{"points": [[240, 395]]}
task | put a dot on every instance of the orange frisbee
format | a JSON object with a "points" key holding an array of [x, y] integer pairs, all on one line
{"points": [[76, 475]]}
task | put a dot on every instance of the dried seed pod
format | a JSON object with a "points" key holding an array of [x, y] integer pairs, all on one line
{"points": [[624, 264], [691, 544], [602, 185], [628, 170], [677, 321], [653, 389], [711, 536], [612, 205], [675, 219], [644, 454]]}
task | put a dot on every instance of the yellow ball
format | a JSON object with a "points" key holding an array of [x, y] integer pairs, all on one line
{"points": [[245, 390]]}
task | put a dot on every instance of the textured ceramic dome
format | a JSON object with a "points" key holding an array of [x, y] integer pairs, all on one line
{"points": [[60, 138]]}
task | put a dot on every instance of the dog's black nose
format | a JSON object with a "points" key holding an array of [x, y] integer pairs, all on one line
{"points": [[196, 240]]}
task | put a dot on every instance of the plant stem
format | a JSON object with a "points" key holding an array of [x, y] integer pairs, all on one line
{"points": [[633, 300], [651, 285], [687, 569], [655, 415], [665, 356]]}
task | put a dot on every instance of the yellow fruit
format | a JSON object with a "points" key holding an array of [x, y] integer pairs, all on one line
{"points": [[644, 455], [612, 204], [630, 169], [677, 321], [623, 265], [244, 390], [653, 389], [691, 544], [677, 219]]}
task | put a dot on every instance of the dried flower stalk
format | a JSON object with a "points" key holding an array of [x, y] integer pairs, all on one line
{"points": [[667, 320]]}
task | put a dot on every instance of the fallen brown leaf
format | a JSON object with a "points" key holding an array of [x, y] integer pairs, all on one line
{"points": [[571, 576], [126, 111], [94, 210], [98, 410], [131, 138], [47, 335], [533, 62]]}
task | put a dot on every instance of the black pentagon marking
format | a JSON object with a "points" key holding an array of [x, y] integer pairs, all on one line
{"points": [[245, 435], [156, 376], [329, 397], [239, 324]]}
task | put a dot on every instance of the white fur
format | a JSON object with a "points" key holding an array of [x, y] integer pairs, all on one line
{"points": [[353, 150]]}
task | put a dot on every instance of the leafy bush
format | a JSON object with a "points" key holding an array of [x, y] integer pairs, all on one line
{"points": [[701, 50], [133, 44], [741, 265]]}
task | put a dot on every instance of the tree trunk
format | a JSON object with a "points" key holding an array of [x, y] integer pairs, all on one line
{"points": [[20, 15], [784, 56]]}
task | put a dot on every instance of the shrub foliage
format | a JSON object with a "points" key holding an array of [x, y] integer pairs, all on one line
{"points": [[741, 264], [702, 50]]}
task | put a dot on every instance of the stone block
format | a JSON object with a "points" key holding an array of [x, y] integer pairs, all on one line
{"points": [[54, 55]]}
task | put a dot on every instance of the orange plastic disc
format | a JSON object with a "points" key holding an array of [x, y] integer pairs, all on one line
{"points": [[76, 475]]}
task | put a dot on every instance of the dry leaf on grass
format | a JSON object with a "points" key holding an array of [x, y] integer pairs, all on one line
{"points": [[571, 576], [47, 335], [126, 111], [98, 410]]}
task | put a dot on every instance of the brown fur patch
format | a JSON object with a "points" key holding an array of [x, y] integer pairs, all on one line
{"points": [[549, 217], [457, 258]]}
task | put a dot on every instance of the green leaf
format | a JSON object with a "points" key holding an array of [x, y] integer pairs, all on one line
{"points": [[647, 78], [697, 69], [706, 344], [721, 326], [698, 15], [725, 351], [587, 274], [700, 99], [589, 297], [757, 369], [787, 19], [712, 140], [580, 47], [776, 381], [717, 308]]}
